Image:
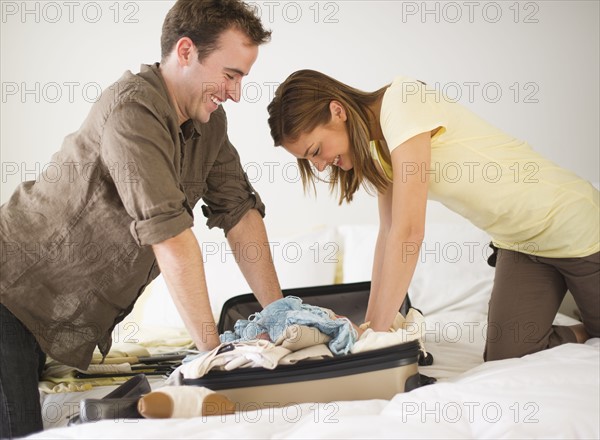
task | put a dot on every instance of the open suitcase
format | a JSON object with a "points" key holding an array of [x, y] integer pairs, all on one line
{"points": [[376, 374]]}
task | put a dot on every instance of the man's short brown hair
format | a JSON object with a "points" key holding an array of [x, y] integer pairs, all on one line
{"points": [[203, 21]]}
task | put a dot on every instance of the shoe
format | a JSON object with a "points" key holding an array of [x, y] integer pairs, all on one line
{"points": [[134, 387], [121, 403]]}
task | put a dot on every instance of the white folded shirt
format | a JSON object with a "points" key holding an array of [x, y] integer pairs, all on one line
{"points": [[403, 329]]}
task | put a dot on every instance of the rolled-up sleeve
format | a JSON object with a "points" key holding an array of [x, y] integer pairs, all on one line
{"points": [[229, 194], [140, 152]]}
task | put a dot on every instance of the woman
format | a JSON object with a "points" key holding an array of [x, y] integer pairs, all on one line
{"points": [[410, 143]]}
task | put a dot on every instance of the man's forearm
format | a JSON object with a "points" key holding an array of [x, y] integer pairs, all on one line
{"points": [[257, 267], [180, 261]]}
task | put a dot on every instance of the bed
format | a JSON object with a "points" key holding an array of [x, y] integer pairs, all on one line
{"points": [[550, 394]]}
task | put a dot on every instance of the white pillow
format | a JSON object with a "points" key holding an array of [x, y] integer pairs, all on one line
{"points": [[452, 272], [309, 259], [358, 248], [300, 261], [158, 309]]}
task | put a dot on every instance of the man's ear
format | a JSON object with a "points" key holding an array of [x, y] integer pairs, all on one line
{"points": [[337, 111], [185, 50]]}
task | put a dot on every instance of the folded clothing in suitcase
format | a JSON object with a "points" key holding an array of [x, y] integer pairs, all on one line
{"points": [[375, 374]]}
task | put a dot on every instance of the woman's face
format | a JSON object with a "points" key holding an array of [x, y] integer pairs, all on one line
{"points": [[326, 145]]}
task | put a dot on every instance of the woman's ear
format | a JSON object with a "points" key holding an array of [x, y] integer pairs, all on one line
{"points": [[337, 111]]}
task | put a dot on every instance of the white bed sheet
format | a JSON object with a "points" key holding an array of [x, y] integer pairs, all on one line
{"points": [[551, 394]]}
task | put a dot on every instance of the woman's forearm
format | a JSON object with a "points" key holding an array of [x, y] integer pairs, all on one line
{"points": [[377, 269], [396, 266]]}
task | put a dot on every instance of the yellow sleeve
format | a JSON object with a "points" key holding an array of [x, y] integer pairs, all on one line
{"points": [[410, 108]]}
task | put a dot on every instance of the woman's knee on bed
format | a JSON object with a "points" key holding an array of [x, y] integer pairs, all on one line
{"points": [[583, 279], [519, 339]]}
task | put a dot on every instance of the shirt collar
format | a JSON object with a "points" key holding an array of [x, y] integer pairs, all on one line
{"points": [[151, 73]]}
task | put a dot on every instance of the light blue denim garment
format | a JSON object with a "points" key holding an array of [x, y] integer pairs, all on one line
{"points": [[290, 310]]}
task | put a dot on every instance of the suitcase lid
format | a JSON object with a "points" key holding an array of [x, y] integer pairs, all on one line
{"points": [[348, 300]]}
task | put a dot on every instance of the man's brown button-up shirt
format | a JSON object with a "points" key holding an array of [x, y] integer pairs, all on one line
{"points": [[75, 244]]}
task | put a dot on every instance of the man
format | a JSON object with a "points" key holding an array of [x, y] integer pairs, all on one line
{"points": [[151, 147]]}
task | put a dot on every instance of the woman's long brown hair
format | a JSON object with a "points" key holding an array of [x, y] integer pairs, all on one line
{"points": [[301, 103]]}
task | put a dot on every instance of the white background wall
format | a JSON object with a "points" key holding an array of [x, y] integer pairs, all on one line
{"points": [[542, 57]]}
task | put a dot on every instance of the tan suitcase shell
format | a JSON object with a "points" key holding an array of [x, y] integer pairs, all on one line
{"points": [[377, 374]]}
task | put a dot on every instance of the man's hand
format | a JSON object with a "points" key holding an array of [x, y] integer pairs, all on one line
{"points": [[359, 330]]}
